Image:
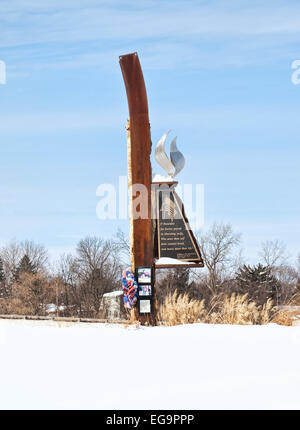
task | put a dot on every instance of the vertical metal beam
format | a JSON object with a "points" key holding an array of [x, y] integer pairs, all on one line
{"points": [[139, 168]]}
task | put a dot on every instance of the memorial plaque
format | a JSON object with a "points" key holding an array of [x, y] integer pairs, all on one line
{"points": [[175, 238]]}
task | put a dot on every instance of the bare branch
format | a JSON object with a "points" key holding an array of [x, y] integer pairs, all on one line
{"points": [[216, 247], [273, 253]]}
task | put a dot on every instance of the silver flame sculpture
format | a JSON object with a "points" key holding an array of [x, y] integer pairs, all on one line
{"points": [[175, 163]]}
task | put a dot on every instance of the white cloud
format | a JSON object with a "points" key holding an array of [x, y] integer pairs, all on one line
{"points": [[169, 33], [55, 21]]}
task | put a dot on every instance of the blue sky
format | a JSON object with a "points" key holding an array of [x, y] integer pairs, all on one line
{"points": [[218, 74]]}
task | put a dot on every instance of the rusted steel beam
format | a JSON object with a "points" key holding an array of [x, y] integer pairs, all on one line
{"points": [[139, 156]]}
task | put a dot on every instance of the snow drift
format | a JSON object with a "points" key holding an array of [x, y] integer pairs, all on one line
{"points": [[51, 365]]}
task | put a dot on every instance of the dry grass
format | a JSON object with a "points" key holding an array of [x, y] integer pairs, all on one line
{"points": [[222, 309], [286, 316], [180, 309], [237, 309]]}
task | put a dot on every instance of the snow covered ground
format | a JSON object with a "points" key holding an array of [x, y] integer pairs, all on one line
{"points": [[57, 365]]}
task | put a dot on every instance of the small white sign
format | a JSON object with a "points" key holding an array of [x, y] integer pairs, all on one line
{"points": [[145, 306]]}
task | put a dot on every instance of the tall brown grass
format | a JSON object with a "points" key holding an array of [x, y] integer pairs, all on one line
{"points": [[222, 309], [180, 309], [238, 309], [288, 314]]}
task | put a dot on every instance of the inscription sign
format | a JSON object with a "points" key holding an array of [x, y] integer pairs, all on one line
{"points": [[175, 239]]}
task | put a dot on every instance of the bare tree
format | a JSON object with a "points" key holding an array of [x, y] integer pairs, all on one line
{"points": [[298, 266], [96, 253], [216, 247], [70, 293], [11, 255], [93, 271], [67, 268], [287, 277], [122, 240], [124, 247], [14, 251], [36, 252], [99, 269], [273, 253]]}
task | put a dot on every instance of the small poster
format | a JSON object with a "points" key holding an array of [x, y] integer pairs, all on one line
{"points": [[145, 290], [144, 275], [145, 306]]}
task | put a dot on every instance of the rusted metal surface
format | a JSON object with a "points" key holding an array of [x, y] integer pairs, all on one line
{"points": [[140, 150]]}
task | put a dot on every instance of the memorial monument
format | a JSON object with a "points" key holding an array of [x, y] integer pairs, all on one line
{"points": [[160, 235]]}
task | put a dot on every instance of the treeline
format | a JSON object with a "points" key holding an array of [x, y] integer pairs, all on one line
{"points": [[273, 277], [74, 286]]}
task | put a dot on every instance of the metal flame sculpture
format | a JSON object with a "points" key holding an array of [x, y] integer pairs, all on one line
{"points": [[175, 163]]}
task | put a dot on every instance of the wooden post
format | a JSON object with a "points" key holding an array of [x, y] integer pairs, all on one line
{"points": [[139, 165]]}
